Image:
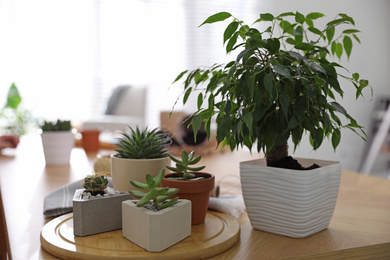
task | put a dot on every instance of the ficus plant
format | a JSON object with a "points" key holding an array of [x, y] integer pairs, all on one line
{"points": [[158, 196], [282, 83]]}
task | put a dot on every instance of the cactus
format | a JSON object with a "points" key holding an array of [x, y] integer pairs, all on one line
{"points": [[95, 183], [56, 126], [183, 165], [159, 196], [145, 144]]}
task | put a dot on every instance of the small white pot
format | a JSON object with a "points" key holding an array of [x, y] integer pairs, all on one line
{"points": [[156, 231], [57, 146], [287, 202], [123, 170]]}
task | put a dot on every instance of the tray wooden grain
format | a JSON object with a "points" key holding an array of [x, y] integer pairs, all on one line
{"points": [[219, 233]]}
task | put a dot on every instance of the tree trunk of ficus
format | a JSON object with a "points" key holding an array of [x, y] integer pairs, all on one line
{"points": [[277, 153]]}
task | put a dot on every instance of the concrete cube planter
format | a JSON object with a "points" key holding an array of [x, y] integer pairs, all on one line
{"points": [[98, 214], [156, 231]]}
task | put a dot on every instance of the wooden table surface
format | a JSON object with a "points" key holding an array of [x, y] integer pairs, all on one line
{"points": [[359, 229]]}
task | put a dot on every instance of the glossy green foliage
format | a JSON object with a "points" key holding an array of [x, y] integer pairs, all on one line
{"points": [[185, 165], [157, 195], [145, 144], [281, 84]]}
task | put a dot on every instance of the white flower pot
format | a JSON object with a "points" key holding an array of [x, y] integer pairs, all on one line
{"points": [[287, 202], [123, 170], [57, 146], [156, 231]]}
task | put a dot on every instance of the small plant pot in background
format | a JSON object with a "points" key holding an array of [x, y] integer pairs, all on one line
{"points": [[99, 214], [90, 140], [294, 203], [57, 146], [156, 231], [123, 170], [197, 191]]}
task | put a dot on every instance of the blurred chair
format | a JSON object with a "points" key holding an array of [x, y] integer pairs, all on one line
{"points": [[126, 106]]}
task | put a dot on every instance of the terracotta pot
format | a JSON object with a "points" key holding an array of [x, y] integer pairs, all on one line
{"points": [[198, 192], [123, 170], [90, 140]]}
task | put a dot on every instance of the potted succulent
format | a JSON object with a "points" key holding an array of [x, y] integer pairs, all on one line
{"points": [[155, 222], [97, 208], [58, 141], [280, 86], [194, 185], [140, 152]]}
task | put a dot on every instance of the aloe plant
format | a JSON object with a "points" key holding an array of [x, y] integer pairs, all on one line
{"points": [[185, 165], [157, 195], [143, 144]]}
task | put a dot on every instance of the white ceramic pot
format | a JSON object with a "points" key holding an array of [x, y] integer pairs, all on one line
{"points": [[57, 146], [156, 231], [123, 170], [287, 202]]}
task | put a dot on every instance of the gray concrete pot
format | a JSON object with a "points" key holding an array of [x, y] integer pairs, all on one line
{"points": [[98, 214], [156, 231]]}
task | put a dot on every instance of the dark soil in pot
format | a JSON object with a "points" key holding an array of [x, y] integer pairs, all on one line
{"points": [[290, 163]]}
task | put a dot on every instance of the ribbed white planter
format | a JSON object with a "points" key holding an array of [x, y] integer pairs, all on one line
{"points": [[290, 202], [57, 146]]}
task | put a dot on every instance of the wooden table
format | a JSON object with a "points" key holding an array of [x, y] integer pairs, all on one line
{"points": [[360, 227]]}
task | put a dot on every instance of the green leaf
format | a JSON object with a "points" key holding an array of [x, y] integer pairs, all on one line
{"points": [[339, 108], [180, 76], [159, 176], [223, 129], [350, 31], [267, 17], [336, 136], [150, 181], [231, 42], [248, 119], [217, 18], [187, 95], [196, 124], [330, 33], [284, 103], [314, 15], [282, 70], [268, 83], [299, 18], [200, 100], [315, 30], [347, 45], [232, 27], [339, 50], [137, 194], [13, 98], [139, 185]]}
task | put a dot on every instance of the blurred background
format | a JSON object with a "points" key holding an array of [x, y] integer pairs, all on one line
{"points": [[68, 57]]}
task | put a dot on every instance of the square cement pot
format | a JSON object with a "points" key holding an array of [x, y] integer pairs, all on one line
{"points": [[98, 214], [156, 231]]}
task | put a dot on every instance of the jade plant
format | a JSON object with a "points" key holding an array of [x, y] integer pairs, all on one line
{"points": [[157, 196], [184, 165], [95, 183], [143, 144], [59, 125], [283, 83]]}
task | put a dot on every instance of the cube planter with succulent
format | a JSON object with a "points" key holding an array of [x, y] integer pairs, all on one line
{"points": [[155, 222], [58, 142], [140, 152], [280, 86], [193, 185], [97, 208]]}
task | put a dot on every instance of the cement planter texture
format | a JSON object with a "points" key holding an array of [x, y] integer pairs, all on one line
{"points": [[156, 231], [123, 170], [57, 146], [97, 214], [287, 202]]}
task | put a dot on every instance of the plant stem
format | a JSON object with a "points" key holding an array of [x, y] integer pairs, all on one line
{"points": [[277, 153]]}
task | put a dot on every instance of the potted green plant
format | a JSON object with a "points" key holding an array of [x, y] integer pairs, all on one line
{"points": [[97, 208], [140, 152], [58, 141], [155, 222], [193, 185], [280, 86]]}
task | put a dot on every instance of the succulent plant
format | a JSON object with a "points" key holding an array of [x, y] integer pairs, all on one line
{"points": [[95, 183], [157, 195], [56, 126], [183, 165], [145, 144]]}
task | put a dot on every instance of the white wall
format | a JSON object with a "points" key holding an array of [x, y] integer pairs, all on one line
{"points": [[370, 59]]}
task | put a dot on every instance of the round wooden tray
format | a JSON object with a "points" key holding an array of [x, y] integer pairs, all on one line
{"points": [[219, 233]]}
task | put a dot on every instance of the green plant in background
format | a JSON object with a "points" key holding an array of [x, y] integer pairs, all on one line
{"points": [[280, 85], [19, 119], [145, 144], [95, 183], [157, 195], [185, 165], [59, 125]]}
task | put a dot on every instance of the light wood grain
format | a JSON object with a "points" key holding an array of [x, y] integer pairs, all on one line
{"points": [[360, 225]]}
